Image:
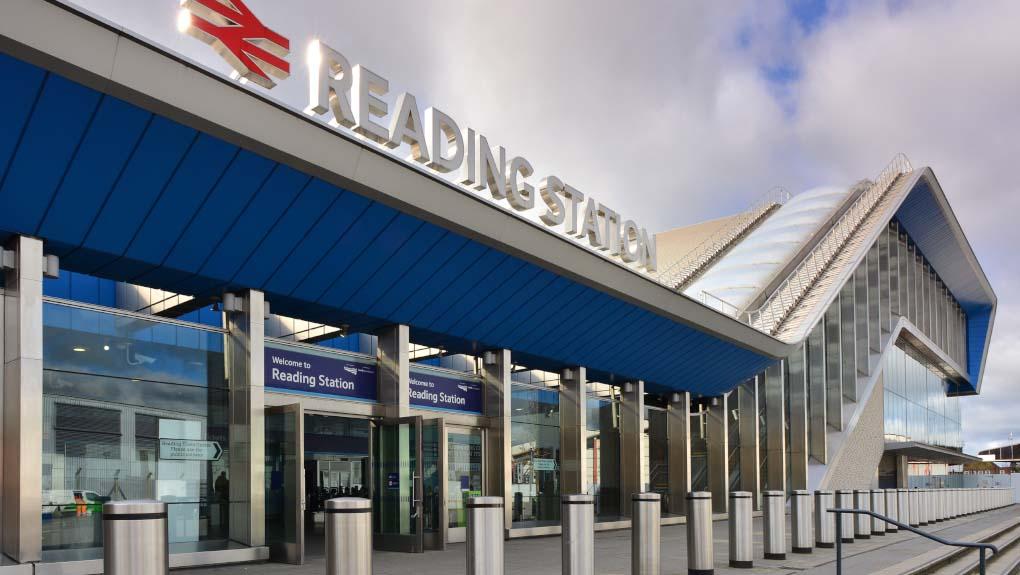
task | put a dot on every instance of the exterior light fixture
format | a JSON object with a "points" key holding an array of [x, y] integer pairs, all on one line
{"points": [[489, 358], [675, 398], [79, 349], [628, 387], [568, 374]]}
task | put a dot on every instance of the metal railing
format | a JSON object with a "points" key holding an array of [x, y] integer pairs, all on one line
{"points": [[680, 273], [770, 316], [981, 547]]}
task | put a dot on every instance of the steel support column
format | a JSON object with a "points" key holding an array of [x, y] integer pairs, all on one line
{"points": [[799, 425], [775, 426], [394, 370], [496, 381], [747, 422], [573, 426], [678, 430], [632, 419], [22, 401], [717, 436], [245, 351]]}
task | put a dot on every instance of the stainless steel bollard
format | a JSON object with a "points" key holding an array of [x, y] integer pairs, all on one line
{"points": [[578, 516], [645, 533], [940, 504], [925, 509], [825, 522], [741, 530], [862, 523], [891, 510], [135, 538], [903, 506], [700, 548], [878, 506], [800, 522], [846, 501], [484, 536], [915, 508], [774, 504], [349, 536]]}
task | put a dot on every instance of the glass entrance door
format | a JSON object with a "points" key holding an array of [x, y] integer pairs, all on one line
{"points": [[397, 477], [285, 498], [463, 477]]}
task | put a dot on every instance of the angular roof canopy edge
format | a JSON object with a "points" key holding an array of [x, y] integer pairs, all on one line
{"points": [[103, 57]]}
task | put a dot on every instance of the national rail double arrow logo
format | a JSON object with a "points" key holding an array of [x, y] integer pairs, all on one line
{"points": [[250, 47]]}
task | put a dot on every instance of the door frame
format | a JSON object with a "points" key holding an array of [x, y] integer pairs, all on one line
{"points": [[293, 552], [457, 534], [394, 541]]}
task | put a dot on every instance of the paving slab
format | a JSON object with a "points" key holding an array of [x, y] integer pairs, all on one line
{"points": [[541, 555]]}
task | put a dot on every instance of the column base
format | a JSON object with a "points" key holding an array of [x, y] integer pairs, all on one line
{"points": [[775, 556], [701, 572], [803, 550], [846, 540], [878, 533], [742, 564], [861, 536], [822, 545], [892, 530]]}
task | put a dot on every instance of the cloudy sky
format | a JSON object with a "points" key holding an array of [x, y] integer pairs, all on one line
{"points": [[679, 111]]}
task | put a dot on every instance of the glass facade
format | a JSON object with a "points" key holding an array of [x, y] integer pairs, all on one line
{"points": [[916, 405], [602, 443], [535, 449], [655, 458], [119, 393]]}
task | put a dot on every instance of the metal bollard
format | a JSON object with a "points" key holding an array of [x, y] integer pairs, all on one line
{"points": [[825, 522], [349, 536], [700, 548], [741, 530], [891, 510], [578, 516], [903, 506], [800, 522], [924, 508], [774, 505], [846, 501], [940, 504], [644, 533], [135, 538], [915, 508], [484, 548], [862, 523], [878, 506]]}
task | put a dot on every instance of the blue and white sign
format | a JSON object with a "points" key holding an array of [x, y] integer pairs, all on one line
{"points": [[433, 390], [320, 374]]}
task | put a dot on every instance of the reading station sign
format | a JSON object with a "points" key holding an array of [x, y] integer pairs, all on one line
{"points": [[354, 98]]}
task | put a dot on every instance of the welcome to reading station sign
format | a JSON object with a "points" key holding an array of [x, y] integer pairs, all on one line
{"points": [[352, 378]]}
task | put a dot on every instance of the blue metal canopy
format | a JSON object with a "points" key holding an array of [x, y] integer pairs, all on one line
{"points": [[122, 193]]}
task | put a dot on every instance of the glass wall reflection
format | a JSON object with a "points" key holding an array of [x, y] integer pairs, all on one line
{"points": [[602, 443], [916, 405], [132, 409], [535, 448]]}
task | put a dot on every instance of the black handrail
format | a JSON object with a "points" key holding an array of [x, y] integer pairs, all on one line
{"points": [[981, 547]]}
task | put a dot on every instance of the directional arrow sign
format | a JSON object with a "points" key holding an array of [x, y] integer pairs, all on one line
{"points": [[189, 450]]}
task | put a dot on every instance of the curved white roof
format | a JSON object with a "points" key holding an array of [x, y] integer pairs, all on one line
{"points": [[748, 268]]}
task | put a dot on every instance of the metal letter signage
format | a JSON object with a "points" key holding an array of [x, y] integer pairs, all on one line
{"points": [[356, 100], [320, 374], [251, 48], [448, 392]]}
